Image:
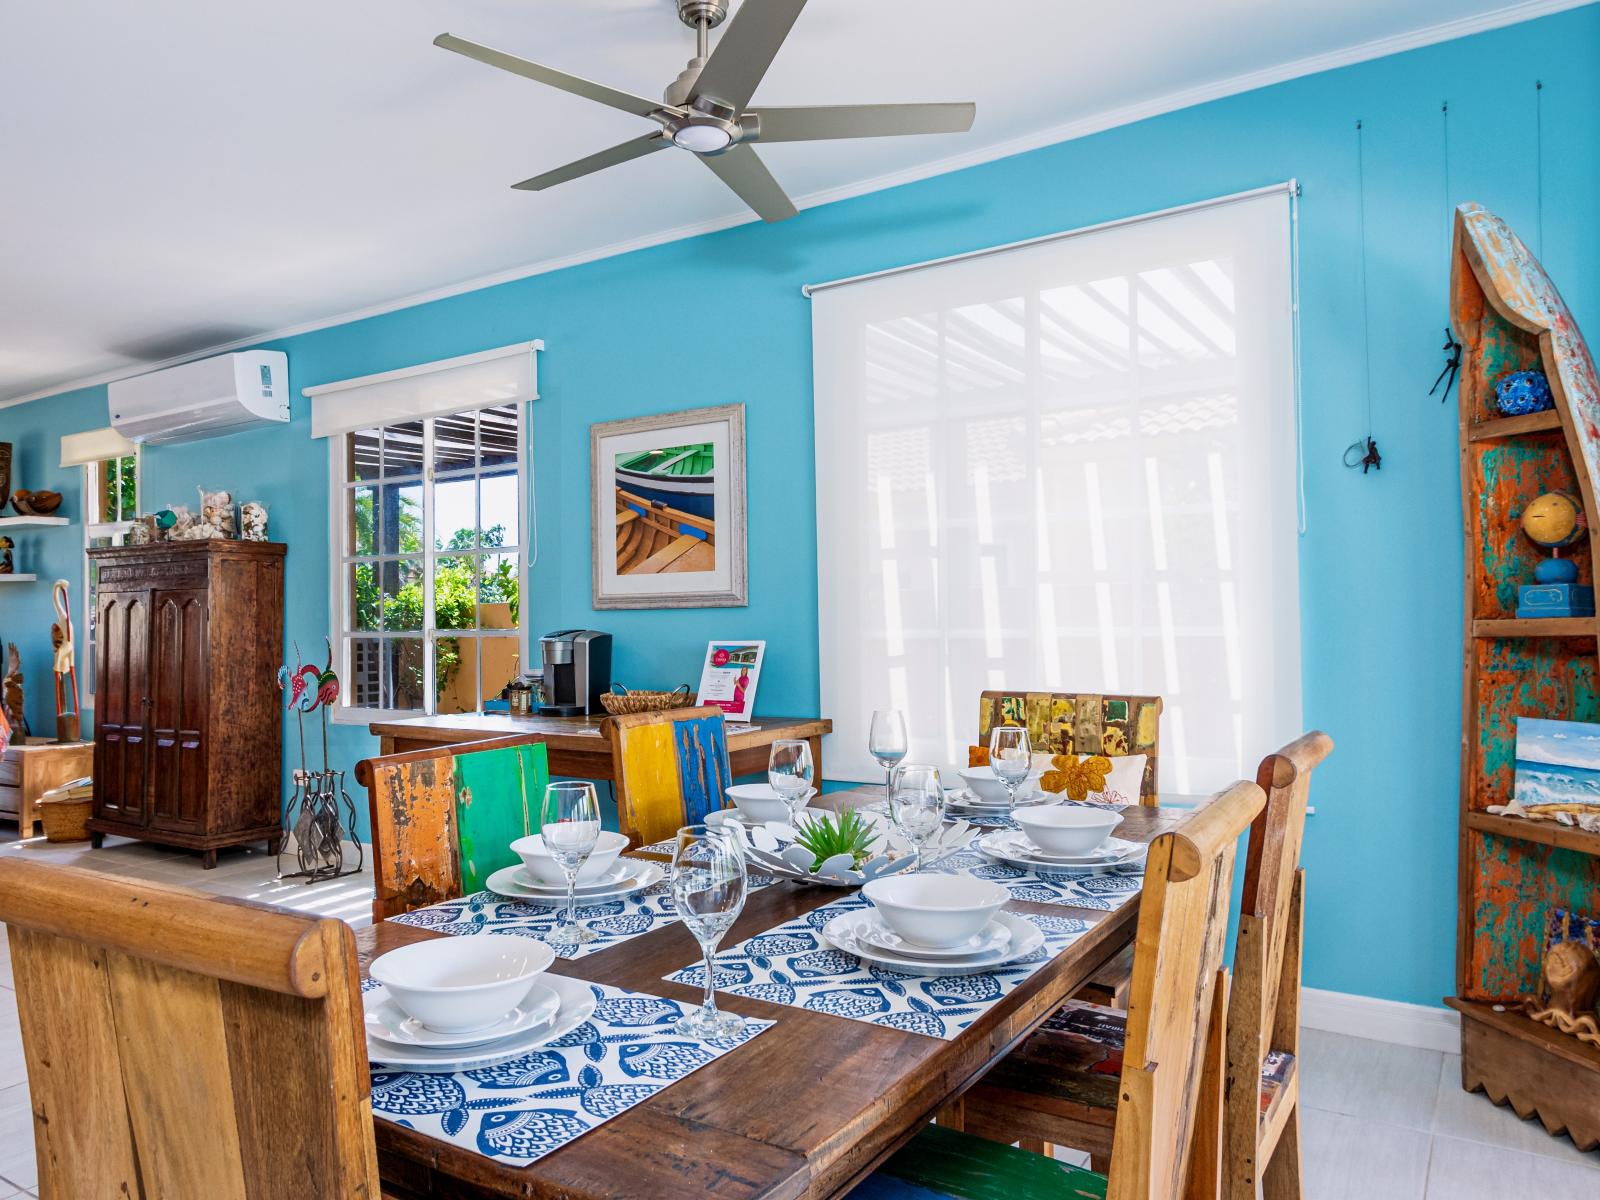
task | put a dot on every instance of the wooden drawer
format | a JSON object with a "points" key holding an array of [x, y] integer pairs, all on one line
{"points": [[10, 801], [10, 772]]}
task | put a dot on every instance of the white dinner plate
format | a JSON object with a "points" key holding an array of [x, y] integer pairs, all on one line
{"points": [[970, 800], [877, 933], [618, 874], [1010, 846], [577, 1004], [842, 933], [387, 1021], [637, 876]]}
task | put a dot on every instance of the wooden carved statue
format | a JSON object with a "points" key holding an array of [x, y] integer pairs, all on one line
{"points": [[11, 690], [1572, 973]]}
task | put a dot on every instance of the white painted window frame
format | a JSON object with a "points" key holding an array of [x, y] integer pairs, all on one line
{"points": [[117, 531]]}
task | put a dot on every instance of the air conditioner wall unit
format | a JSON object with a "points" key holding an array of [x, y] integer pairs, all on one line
{"points": [[202, 399]]}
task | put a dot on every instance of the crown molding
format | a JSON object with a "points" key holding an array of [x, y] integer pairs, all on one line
{"points": [[1446, 31]]}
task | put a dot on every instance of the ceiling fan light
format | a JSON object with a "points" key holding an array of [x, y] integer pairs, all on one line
{"points": [[703, 139]]}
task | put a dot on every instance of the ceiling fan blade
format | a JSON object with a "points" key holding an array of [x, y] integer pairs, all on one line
{"points": [[862, 120], [745, 50], [599, 161], [589, 90], [748, 176]]}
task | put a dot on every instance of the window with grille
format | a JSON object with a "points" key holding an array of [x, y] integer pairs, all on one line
{"points": [[111, 492]]}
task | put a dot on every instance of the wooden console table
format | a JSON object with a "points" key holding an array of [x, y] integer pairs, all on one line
{"points": [[28, 772]]}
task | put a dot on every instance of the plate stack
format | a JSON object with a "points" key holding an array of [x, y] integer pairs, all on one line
{"points": [[623, 878], [934, 925]]}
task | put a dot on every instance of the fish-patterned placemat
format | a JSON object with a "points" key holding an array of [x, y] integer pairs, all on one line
{"points": [[793, 965], [1105, 892], [521, 1110]]}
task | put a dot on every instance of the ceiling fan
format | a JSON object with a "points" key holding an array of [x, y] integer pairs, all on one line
{"points": [[704, 110]]}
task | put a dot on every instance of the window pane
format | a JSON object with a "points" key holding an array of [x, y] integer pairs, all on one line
{"points": [[400, 518], [455, 593], [500, 509], [363, 597], [401, 586], [497, 431], [454, 442], [455, 514], [366, 673], [498, 591], [402, 449], [498, 663], [361, 455], [455, 666], [128, 487], [402, 675], [363, 537]]}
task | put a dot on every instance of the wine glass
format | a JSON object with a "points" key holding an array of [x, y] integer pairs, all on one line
{"points": [[709, 883], [887, 741], [570, 828], [789, 772], [916, 804], [1010, 757]]}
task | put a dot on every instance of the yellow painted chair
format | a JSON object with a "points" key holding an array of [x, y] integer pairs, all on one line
{"points": [[671, 770]]}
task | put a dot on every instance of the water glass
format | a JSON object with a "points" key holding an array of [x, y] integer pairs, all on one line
{"points": [[570, 828], [916, 804], [888, 741], [1010, 757], [709, 884], [789, 771]]}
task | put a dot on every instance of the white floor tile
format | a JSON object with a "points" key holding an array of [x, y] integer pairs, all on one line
{"points": [[16, 1137], [1376, 1081], [1473, 1117], [1473, 1171], [1347, 1158]]}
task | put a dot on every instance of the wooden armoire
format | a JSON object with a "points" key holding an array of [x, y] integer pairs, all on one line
{"points": [[188, 736]]}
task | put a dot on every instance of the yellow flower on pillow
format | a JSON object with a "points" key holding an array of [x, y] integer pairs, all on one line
{"points": [[1075, 776]]}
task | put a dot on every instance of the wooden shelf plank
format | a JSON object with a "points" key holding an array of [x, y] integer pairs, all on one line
{"points": [[1513, 627], [14, 578], [1517, 1024], [1548, 833], [1504, 427]]}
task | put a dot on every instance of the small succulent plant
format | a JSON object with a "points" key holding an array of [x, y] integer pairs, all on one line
{"points": [[826, 836]]}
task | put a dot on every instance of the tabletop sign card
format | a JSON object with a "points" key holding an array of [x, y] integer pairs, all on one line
{"points": [[729, 677]]}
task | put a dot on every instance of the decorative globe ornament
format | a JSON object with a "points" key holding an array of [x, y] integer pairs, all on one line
{"points": [[1523, 392], [1554, 522]]}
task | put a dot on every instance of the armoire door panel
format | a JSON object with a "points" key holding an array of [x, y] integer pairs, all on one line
{"points": [[179, 692], [122, 690]]}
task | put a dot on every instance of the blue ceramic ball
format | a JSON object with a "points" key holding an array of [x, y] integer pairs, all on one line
{"points": [[1523, 392]]}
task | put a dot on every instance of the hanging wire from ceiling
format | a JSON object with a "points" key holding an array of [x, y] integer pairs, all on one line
{"points": [[1363, 452], [1538, 160], [1452, 348]]}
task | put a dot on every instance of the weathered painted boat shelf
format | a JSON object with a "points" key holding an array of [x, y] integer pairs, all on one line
{"points": [[1514, 871]]}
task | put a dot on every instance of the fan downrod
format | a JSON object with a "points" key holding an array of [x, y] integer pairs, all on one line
{"points": [[693, 12]]}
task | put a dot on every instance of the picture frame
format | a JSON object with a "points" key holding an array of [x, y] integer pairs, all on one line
{"points": [[730, 675], [667, 498]]}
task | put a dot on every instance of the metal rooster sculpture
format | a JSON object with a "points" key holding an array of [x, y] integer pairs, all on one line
{"points": [[313, 812]]}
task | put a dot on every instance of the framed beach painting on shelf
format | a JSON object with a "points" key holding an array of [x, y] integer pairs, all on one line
{"points": [[669, 510], [1557, 767]]}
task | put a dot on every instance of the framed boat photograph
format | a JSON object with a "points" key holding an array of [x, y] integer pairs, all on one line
{"points": [[669, 510]]}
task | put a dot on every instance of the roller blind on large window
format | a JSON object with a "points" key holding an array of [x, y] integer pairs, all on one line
{"points": [[1066, 466]]}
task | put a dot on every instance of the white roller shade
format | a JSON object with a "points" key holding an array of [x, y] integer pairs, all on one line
{"points": [[451, 385], [94, 445]]}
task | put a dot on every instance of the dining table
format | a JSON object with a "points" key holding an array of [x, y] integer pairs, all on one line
{"points": [[807, 1109]]}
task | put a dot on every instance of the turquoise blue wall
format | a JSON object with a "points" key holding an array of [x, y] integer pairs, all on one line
{"points": [[1380, 561]]}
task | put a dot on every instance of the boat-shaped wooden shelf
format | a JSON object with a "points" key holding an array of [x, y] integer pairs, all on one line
{"points": [[15, 578], [13, 522]]}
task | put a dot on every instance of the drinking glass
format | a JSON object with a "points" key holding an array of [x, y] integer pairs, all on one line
{"points": [[887, 741], [1011, 757], [708, 889], [789, 772], [570, 828], [916, 804]]}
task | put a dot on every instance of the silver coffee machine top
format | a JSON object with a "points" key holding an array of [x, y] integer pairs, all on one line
{"points": [[577, 669]]}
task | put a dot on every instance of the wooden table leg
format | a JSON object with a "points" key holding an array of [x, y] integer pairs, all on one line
{"points": [[816, 760]]}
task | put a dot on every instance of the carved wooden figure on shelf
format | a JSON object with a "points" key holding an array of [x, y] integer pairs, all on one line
{"points": [[1571, 978]]}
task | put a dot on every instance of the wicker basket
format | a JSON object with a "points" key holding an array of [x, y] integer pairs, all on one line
{"points": [[620, 704], [66, 820]]}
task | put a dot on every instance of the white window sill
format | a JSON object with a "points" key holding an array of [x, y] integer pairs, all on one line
{"points": [[342, 715]]}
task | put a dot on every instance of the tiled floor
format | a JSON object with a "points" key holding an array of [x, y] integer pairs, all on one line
{"points": [[1381, 1122]]}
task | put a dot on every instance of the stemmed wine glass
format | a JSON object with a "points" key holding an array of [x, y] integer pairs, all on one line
{"points": [[570, 828], [916, 804], [709, 883], [887, 741], [1010, 757], [789, 771]]}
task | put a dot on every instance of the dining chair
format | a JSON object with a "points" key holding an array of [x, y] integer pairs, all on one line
{"points": [[443, 819], [1081, 723], [185, 1045], [671, 770], [1168, 1126], [1061, 1086]]}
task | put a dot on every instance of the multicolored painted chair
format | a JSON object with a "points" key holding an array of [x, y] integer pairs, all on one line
{"points": [[1081, 723], [1168, 1142], [444, 818], [671, 769], [1062, 1085]]}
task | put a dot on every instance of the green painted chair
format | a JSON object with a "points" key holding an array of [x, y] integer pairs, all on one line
{"points": [[443, 819], [1168, 1143]]}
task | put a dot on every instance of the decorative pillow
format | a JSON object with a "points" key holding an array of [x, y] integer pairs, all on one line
{"points": [[1096, 779]]}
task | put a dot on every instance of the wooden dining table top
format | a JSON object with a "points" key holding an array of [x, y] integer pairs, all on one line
{"points": [[806, 1109]]}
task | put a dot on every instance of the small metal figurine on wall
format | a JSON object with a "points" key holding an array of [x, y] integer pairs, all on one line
{"points": [[320, 815]]}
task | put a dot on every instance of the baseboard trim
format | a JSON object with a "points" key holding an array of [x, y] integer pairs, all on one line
{"points": [[1395, 1021]]}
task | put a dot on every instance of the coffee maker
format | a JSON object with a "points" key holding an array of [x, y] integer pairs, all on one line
{"points": [[577, 669]]}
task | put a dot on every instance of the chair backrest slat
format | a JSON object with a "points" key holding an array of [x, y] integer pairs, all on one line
{"points": [[1172, 1054], [671, 769], [153, 1076], [1081, 723]]}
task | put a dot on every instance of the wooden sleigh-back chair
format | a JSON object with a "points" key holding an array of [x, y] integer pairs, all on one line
{"points": [[443, 819], [185, 1045], [1168, 1140], [671, 769]]}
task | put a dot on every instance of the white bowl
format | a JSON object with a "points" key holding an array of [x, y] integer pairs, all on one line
{"points": [[542, 866], [761, 801], [987, 786], [1064, 829], [936, 911], [462, 984]]}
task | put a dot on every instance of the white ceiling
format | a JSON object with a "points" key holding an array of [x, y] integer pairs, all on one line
{"points": [[176, 175]]}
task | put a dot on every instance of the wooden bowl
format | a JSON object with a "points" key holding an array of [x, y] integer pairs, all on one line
{"points": [[35, 504]]}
